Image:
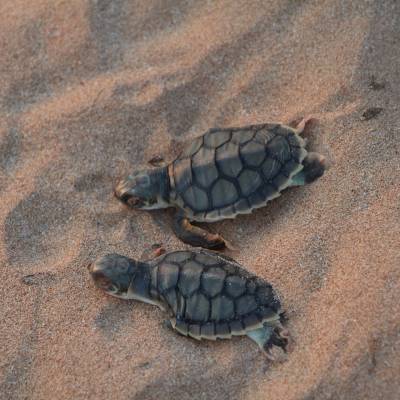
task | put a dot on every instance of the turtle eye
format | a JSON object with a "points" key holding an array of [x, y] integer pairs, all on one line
{"points": [[125, 198], [112, 288], [134, 202], [102, 281]]}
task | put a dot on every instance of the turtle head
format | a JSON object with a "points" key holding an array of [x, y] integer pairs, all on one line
{"points": [[143, 189], [114, 274]]}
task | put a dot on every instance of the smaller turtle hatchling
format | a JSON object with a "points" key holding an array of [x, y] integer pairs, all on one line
{"points": [[207, 295], [224, 173]]}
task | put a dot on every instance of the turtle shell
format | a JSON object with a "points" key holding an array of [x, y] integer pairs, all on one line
{"points": [[232, 171], [211, 296]]}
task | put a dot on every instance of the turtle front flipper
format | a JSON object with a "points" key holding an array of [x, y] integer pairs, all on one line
{"points": [[175, 147], [196, 236], [154, 251], [157, 161]]}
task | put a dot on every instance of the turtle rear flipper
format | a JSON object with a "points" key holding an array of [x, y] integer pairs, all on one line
{"points": [[314, 166], [269, 336], [303, 125]]}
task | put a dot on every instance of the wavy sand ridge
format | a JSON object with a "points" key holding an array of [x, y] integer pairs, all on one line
{"points": [[90, 90]]}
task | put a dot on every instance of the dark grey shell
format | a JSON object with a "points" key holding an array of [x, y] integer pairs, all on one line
{"points": [[211, 296], [232, 171]]}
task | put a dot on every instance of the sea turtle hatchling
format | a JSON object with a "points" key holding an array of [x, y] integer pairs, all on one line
{"points": [[207, 295], [223, 173]]}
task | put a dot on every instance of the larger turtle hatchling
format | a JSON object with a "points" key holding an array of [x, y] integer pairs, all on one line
{"points": [[223, 173], [206, 295]]}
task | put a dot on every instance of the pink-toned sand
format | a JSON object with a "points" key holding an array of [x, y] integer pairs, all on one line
{"points": [[89, 90]]}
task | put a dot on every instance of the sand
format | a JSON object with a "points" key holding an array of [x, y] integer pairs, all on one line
{"points": [[92, 89]]}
